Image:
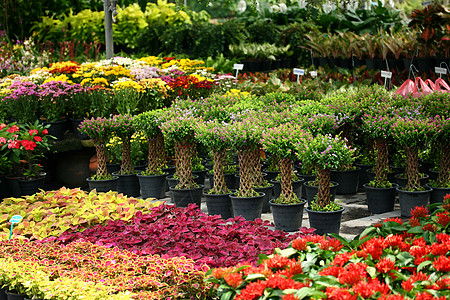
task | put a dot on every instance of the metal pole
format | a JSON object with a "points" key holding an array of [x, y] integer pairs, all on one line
{"points": [[108, 30]]}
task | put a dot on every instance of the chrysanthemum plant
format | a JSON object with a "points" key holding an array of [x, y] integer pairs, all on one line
{"points": [[215, 136], [179, 128], [122, 126], [99, 130], [325, 153], [149, 123], [282, 142], [413, 134], [246, 136]]}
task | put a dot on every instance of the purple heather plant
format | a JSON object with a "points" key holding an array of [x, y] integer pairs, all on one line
{"points": [[171, 231]]}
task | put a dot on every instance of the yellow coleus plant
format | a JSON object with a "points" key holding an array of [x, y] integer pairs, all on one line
{"points": [[53, 212]]}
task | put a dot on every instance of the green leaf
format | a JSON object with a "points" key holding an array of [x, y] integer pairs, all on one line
{"points": [[307, 292], [288, 252], [255, 276], [424, 264], [368, 231], [415, 230], [372, 271], [227, 296]]}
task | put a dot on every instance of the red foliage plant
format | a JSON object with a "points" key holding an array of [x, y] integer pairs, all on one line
{"points": [[174, 232]]}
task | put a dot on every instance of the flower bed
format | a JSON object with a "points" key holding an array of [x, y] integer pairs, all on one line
{"points": [[175, 232], [83, 270], [390, 260], [53, 212]]}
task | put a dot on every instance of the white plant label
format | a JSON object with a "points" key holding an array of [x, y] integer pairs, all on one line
{"points": [[426, 3], [313, 74], [439, 70], [300, 72], [386, 74], [238, 66]]}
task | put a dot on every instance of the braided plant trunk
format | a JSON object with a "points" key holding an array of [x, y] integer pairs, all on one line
{"points": [[412, 169], [258, 179], [101, 158], [220, 186], [127, 166], [183, 155], [287, 192], [323, 195], [444, 166], [155, 154], [245, 169], [382, 160]]}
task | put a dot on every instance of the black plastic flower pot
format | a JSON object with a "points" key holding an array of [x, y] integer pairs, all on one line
{"points": [[437, 194], [31, 186], [412, 199], [152, 186], [184, 197], [13, 296], [268, 193], [402, 181], [287, 217], [296, 186], [230, 180], [57, 129], [348, 181], [380, 200], [201, 176], [249, 208], [103, 186], [363, 176], [325, 221], [219, 205], [128, 184]]}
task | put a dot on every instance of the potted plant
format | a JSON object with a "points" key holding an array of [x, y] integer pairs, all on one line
{"points": [[282, 141], [215, 136], [246, 137], [441, 186], [179, 129], [79, 106], [99, 130], [24, 145], [53, 105], [152, 180], [128, 183], [380, 192], [22, 104], [325, 153], [412, 134]]}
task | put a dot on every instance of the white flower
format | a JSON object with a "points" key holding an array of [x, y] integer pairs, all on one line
{"points": [[302, 3], [242, 6], [283, 8], [328, 7]]}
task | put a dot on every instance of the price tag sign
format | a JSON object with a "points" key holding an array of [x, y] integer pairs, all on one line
{"points": [[298, 72], [426, 3], [238, 66], [313, 74], [440, 70], [15, 219], [386, 74]]}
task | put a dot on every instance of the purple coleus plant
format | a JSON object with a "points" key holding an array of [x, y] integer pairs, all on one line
{"points": [[171, 231]]}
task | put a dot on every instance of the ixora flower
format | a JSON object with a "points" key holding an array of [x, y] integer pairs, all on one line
{"points": [[393, 260], [23, 145]]}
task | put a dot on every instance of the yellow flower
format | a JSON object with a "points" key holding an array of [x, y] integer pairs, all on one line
{"points": [[85, 81], [118, 85], [151, 60], [238, 93], [39, 70], [62, 77], [100, 81]]}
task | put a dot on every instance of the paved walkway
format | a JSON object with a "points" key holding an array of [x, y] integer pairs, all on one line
{"points": [[355, 218]]}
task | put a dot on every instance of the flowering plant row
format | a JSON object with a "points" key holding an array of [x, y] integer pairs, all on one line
{"points": [[82, 270], [175, 232], [392, 260], [52, 213]]}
